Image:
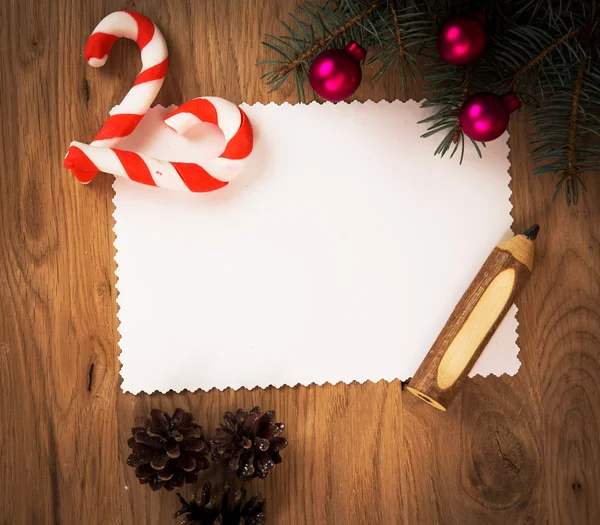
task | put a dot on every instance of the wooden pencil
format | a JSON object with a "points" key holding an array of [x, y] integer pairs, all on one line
{"points": [[474, 320]]}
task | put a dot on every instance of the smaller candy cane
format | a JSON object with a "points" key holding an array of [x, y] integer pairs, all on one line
{"points": [[127, 115], [194, 177]]}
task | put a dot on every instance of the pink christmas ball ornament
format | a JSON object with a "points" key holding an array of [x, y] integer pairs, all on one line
{"points": [[461, 40], [335, 74], [484, 116]]}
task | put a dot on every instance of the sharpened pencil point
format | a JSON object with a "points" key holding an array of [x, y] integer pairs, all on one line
{"points": [[532, 233]]}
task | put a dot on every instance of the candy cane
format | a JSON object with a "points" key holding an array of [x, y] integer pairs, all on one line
{"points": [[209, 176], [125, 117], [85, 160]]}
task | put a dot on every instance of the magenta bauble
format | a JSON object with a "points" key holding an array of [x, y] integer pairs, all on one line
{"points": [[335, 74], [461, 39], [484, 116]]}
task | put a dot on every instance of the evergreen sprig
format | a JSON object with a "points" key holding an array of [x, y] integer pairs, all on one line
{"points": [[447, 89], [329, 25], [402, 32], [545, 50], [567, 138]]}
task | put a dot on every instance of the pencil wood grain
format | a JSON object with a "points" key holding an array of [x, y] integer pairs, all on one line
{"points": [[473, 321]]}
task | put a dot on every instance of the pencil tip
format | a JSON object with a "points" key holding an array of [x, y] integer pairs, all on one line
{"points": [[532, 233]]}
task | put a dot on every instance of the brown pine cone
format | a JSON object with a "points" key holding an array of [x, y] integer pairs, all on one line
{"points": [[249, 442], [169, 450], [224, 511]]}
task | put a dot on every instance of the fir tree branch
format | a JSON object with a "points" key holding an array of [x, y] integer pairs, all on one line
{"points": [[398, 35], [400, 43], [452, 7], [574, 117], [566, 141], [323, 42], [464, 95], [545, 52], [569, 176], [403, 32], [548, 51], [450, 90]]}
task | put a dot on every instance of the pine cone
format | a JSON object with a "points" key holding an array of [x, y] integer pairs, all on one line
{"points": [[209, 511], [249, 442], [169, 451]]}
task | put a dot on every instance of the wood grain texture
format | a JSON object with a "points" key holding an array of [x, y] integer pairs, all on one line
{"points": [[473, 322], [521, 450]]}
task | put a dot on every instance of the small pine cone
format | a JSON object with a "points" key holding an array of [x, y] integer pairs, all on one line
{"points": [[250, 443], [168, 451], [223, 511]]}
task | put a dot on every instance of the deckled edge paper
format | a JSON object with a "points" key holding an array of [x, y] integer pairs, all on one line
{"points": [[486, 365]]}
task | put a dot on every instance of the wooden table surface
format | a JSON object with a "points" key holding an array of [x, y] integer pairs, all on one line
{"points": [[519, 450]]}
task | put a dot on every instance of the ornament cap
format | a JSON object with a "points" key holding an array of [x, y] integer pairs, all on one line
{"points": [[511, 101], [356, 50]]}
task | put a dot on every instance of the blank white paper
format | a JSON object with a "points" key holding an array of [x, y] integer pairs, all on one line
{"points": [[337, 255]]}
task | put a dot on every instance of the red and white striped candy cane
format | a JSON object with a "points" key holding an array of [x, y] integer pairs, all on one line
{"points": [[209, 176], [85, 161], [125, 117]]}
